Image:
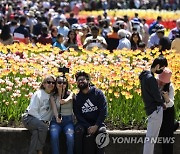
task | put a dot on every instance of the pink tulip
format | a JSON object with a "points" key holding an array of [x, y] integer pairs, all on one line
{"points": [[30, 94], [3, 89], [8, 88], [2, 81], [25, 80]]}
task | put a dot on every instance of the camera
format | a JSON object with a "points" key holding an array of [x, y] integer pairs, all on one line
{"points": [[63, 70], [134, 29], [94, 41]]}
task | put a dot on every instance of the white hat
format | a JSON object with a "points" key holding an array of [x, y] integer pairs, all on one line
{"points": [[122, 33], [76, 26], [30, 13]]}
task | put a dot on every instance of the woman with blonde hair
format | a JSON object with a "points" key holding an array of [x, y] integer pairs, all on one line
{"points": [[38, 114]]}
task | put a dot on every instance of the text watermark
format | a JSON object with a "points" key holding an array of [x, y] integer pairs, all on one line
{"points": [[103, 139]]}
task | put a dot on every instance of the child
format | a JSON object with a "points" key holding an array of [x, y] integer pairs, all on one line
{"points": [[59, 42]]}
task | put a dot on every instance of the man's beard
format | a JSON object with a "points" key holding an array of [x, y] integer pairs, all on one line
{"points": [[83, 86]]}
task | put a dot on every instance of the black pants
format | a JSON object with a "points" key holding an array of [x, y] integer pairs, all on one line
{"points": [[167, 129], [85, 144]]}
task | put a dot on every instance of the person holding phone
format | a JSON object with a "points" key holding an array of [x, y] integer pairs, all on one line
{"points": [[153, 101], [95, 40], [61, 102], [38, 114], [168, 124]]}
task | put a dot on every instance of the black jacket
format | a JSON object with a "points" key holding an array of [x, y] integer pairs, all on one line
{"points": [[150, 92]]}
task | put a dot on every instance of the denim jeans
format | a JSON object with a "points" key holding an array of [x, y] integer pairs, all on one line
{"points": [[55, 129], [153, 128]]}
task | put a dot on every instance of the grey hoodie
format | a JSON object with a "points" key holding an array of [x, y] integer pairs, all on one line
{"points": [[150, 92]]}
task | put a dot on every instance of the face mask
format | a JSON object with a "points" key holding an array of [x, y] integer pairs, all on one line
{"points": [[159, 71]]}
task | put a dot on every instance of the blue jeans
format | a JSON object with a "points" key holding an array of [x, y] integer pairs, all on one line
{"points": [[55, 129]]}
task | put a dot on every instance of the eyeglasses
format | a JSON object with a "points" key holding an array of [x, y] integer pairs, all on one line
{"points": [[61, 82], [50, 82]]}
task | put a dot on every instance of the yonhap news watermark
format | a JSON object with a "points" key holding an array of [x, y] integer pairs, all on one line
{"points": [[103, 139], [136, 140]]}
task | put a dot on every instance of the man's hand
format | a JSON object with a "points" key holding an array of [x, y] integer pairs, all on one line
{"points": [[100, 41], [92, 129], [89, 41]]}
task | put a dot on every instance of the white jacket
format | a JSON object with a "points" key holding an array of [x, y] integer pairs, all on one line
{"points": [[39, 106]]}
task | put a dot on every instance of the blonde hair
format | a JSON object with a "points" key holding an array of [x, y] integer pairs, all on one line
{"points": [[45, 79]]}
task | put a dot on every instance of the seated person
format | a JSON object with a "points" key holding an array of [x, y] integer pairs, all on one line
{"points": [[90, 109], [62, 105]]}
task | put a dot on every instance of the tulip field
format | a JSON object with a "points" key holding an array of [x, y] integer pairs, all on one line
{"points": [[169, 17], [147, 14], [22, 68]]}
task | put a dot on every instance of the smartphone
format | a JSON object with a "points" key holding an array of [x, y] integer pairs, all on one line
{"points": [[94, 41]]}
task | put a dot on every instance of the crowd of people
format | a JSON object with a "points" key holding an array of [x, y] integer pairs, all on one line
{"points": [[45, 23], [134, 4]]}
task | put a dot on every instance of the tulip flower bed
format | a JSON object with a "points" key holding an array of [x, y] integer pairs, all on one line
{"points": [[115, 73], [169, 17]]}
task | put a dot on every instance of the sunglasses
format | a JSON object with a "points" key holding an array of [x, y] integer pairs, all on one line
{"points": [[50, 82], [61, 82]]}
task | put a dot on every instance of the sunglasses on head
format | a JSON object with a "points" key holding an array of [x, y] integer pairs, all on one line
{"points": [[61, 82], [50, 82]]}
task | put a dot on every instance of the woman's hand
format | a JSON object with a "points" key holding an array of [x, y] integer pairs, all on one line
{"points": [[165, 94], [63, 101], [58, 120], [68, 99]]}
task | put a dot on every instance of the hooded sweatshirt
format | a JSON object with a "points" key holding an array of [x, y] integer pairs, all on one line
{"points": [[150, 92], [91, 108]]}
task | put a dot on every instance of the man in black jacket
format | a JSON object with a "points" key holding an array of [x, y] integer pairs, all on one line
{"points": [[90, 109], [154, 102]]}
